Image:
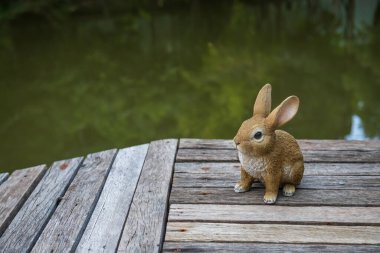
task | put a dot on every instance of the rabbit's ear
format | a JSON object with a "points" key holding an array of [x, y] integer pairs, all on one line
{"points": [[283, 113], [263, 101]]}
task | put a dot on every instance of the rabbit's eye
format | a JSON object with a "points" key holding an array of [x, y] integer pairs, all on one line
{"points": [[258, 135]]}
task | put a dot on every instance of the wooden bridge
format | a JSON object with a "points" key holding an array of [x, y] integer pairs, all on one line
{"points": [[177, 196]]}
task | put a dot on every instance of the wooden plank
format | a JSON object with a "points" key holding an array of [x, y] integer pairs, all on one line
{"points": [[311, 169], [3, 177], [15, 191], [144, 227], [337, 145], [344, 169], [64, 229], [206, 144], [271, 233], [357, 156], [232, 169], [308, 182], [106, 224], [229, 155], [206, 155], [327, 215], [27, 225], [340, 182], [317, 176], [302, 197], [267, 247]]}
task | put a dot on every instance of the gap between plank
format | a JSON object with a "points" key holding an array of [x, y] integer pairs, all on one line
{"points": [[163, 232]]}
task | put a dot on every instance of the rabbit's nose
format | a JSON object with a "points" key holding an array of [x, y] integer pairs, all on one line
{"points": [[237, 142]]}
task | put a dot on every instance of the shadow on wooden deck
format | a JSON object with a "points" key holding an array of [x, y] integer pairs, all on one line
{"points": [[177, 196]]}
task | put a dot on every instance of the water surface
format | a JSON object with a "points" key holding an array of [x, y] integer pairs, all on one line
{"points": [[83, 83]]}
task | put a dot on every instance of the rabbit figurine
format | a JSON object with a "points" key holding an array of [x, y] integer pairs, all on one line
{"points": [[271, 156]]}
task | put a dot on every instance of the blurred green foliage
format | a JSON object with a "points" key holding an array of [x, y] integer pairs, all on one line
{"points": [[73, 84]]}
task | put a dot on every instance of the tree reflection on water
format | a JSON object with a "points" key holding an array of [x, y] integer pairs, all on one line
{"points": [[73, 84]]}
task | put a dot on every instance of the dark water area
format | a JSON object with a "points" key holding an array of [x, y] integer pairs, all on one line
{"points": [[86, 81]]}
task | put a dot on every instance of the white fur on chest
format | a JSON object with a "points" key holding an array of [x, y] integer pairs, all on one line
{"points": [[254, 166]]}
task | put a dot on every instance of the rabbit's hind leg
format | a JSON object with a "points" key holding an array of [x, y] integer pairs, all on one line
{"points": [[293, 176], [288, 190]]}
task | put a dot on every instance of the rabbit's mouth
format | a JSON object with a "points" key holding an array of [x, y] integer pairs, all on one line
{"points": [[241, 150]]}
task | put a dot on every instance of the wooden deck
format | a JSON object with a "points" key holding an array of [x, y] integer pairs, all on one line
{"points": [[177, 196]]}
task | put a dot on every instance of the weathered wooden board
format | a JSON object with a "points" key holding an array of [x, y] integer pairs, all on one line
{"points": [[304, 144], [267, 247], [3, 177], [206, 155], [106, 224], [339, 145], [311, 169], [229, 155], [15, 191], [344, 169], [302, 197], [271, 233], [206, 144], [29, 221], [207, 167], [308, 182], [64, 229], [327, 215], [340, 182], [145, 225], [363, 156]]}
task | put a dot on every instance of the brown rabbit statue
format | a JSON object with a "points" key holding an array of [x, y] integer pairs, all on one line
{"points": [[266, 154]]}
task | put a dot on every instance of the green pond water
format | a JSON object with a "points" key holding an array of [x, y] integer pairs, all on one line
{"points": [[84, 83]]}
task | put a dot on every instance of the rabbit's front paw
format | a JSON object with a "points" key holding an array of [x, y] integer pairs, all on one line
{"points": [[241, 188], [270, 198]]}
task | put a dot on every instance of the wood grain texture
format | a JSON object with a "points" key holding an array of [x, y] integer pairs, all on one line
{"points": [[30, 220], [15, 191], [308, 182], [230, 155], [271, 233], [339, 145], [3, 177], [64, 229], [340, 188], [302, 197], [205, 144], [144, 227], [206, 155], [176, 247], [357, 156], [275, 214], [311, 169], [304, 144], [106, 224]]}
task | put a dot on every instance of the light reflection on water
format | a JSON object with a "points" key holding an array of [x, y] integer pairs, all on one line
{"points": [[90, 83], [357, 130]]}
